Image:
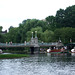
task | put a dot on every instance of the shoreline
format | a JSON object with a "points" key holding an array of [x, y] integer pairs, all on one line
{"points": [[12, 56]]}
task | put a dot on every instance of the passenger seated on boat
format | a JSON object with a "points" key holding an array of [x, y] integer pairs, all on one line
{"points": [[65, 47], [74, 48], [62, 49], [56, 48]]}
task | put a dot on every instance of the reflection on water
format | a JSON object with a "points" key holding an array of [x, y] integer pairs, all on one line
{"points": [[73, 54], [39, 64]]}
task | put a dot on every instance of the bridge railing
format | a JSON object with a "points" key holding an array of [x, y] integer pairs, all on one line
{"points": [[14, 44], [27, 44], [55, 43]]}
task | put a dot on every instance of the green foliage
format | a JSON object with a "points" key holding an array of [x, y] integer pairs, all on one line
{"points": [[12, 35], [32, 23], [1, 28], [60, 15], [47, 36], [66, 18], [39, 33], [2, 37], [62, 26], [65, 34], [51, 22]]}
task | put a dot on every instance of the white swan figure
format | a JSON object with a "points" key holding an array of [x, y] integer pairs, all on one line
{"points": [[73, 50], [48, 50]]}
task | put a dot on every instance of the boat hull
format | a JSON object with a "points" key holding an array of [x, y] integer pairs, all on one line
{"points": [[56, 50]]}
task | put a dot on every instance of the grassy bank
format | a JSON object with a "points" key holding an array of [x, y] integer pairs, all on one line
{"points": [[10, 56]]}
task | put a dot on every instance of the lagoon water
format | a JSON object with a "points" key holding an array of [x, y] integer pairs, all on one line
{"points": [[39, 64]]}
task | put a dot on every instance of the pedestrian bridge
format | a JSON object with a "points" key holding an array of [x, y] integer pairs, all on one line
{"points": [[33, 44], [28, 44]]}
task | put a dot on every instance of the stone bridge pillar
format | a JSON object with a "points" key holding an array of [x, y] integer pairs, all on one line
{"points": [[34, 43]]}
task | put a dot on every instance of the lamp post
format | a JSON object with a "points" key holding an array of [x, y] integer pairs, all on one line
{"points": [[59, 39], [35, 34], [70, 40], [32, 35]]}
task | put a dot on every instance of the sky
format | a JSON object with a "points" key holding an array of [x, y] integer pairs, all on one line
{"points": [[13, 12]]}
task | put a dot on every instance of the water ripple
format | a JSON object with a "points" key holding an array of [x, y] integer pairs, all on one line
{"points": [[38, 65]]}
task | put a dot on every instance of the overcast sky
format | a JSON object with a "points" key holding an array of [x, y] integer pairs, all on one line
{"points": [[13, 12]]}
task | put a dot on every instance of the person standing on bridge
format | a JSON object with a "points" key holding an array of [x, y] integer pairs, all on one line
{"points": [[42, 42], [6, 43]]}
